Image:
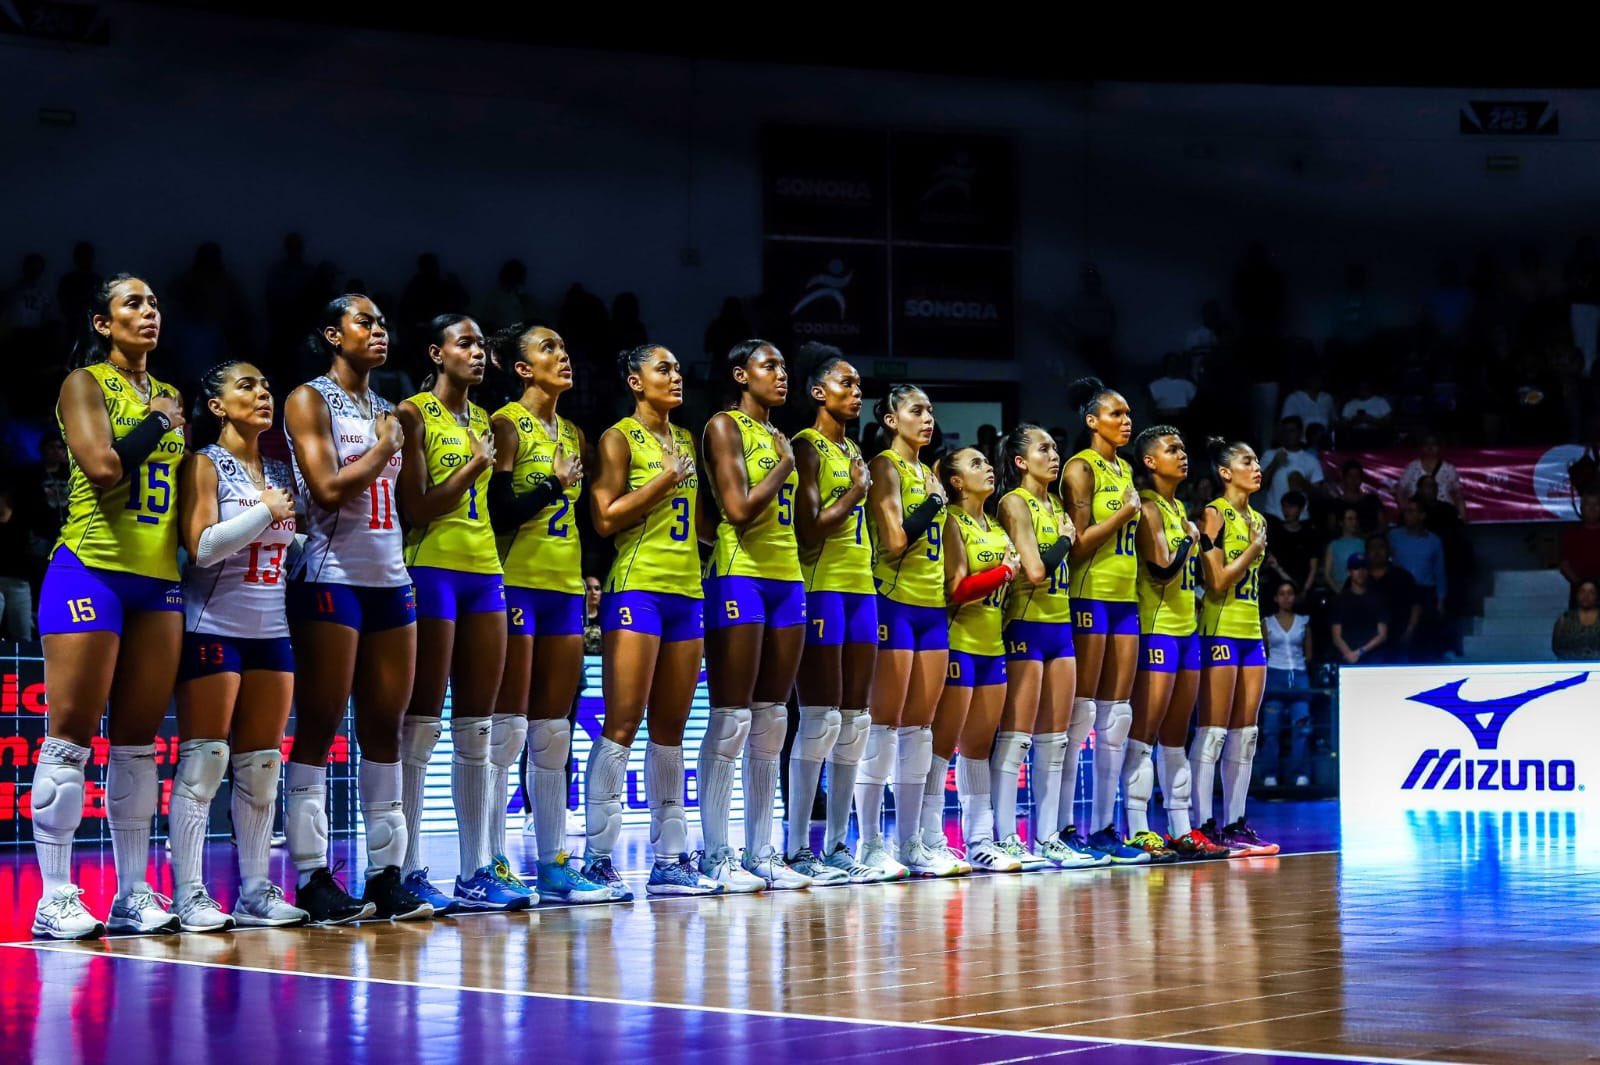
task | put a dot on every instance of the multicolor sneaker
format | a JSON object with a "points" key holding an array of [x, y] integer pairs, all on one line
{"points": [[722, 867], [418, 884], [987, 855], [1243, 841], [877, 855], [1108, 843], [936, 842], [923, 860], [62, 915], [769, 865], [1213, 833], [485, 891], [142, 910], [601, 871], [1155, 846], [1083, 855], [1193, 846], [500, 866], [560, 881], [680, 878], [842, 860], [806, 863], [1028, 860]]}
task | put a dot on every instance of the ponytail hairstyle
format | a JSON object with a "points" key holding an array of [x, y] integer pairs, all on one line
{"points": [[331, 317], [205, 428], [736, 359], [436, 331], [505, 351], [821, 358], [1008, 449], [891, 401], [1084, 396], [89, 346], [1222, 452], [632, 361], [944, 469]]}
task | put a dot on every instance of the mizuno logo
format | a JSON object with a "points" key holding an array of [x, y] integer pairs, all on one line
{"points": [[1486, 718], [1451, 772]]}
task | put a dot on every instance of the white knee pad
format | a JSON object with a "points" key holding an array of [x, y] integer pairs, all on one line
{"points": [[418, 736], [1081, 721], [506, 739], [1176, 790], [133, 786], [201, 764], [255, 777], [1240, 744], [1207, 744], [57, 795], [914, 754], [305, 814], [726, 731], [851, 746], [819, 732], [1138, 779], [549, 744], [470, 737], [769, 723], [386, 836], [878, 762], [1112, 723]]}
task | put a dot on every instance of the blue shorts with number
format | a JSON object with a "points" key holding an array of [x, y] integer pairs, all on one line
{"points": [[674, 618], [205, 654], [1105, 617], [735, 601], [1038, 641], [539, 612], [361, 608], [1169, 654], [837, 618], [1224, 651], [903, 627], [79, 598], [975, 671], [445, 594]]}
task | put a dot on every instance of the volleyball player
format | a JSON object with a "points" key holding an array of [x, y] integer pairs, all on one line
{"points": [[756, 623], [537, 477], [461, 613], [110, 612], [1233, 539], [1040, 654], [236, 676], [1097, 487], [645, 497], [905, 509], [976, 579], [841, 649], [352, 614], [1169, 656]]}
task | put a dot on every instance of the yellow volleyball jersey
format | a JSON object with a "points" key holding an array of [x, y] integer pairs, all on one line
{"points": [[461, 538], [1049, 600], [765, 547], [975, 626], [842, 562], [544, 552], [660, 553], [1234, 612], [1168, 609], [131, 527], [916, 578], [1108, 574]]}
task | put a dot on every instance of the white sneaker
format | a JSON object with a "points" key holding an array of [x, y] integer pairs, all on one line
{"points": [[575, 824], [62, 915], [199, 912], [941, 846], [142, 911], [1030, 862], [1302, 782], [1269, 782], [722, 867], [806, 863], [841, 860], [769, 865], [922, 860], [986, 854], [877, 855], [267, 908]]}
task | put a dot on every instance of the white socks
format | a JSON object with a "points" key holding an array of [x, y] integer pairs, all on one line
{"points": [[255, 794], [1078, 726], [549, 747], [1204, 750], [1005, 768], [57, 800], [1046, 776], [872, 775], [663, 788], [1238, 759], [769, 722], [1138, 784], [933, 801], [1172, 763], [913, 757], [471, 783], [843, 762], [977, 802], [720, 748], [201, 765], [819, 732], [508, 734], [133, 791], [305, 817], [602, 797], [1113, 718], [418, 736], [381, 813]]}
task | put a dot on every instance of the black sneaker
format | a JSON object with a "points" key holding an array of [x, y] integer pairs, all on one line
{"points": [[326, 900], [393, 901]]}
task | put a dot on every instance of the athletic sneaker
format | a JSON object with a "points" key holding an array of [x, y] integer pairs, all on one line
{"points": [[393, 901], [723, 867], [1242, 840], [1082, 855], [443, 905], [601, 871], [500, 866], [843, 861], [941, 847], [806, 863], [923, 860], [681, 877], [1054, 851], [1195, 847], [769, 865], [987, 855], [199, 912], [1108, 843], [325, 900], [485, 891], [267, 908], [561, 881], [62, 915], [1155, 846], [1029, 861], [877, 855], [142, 910], [527, 825]]}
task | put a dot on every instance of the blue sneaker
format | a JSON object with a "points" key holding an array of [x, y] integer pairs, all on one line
{"points": [[1107, 842], [1083, 855], [560, 882], [420, 886], [601, 871], [484, 891], [682, 877], [500, 865]]}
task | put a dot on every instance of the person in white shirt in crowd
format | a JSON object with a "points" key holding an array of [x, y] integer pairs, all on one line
{"points": [[1310, 403], [1288, 637], [1279, 466], [1365, 418], [1445, 478], [1173, 391]]}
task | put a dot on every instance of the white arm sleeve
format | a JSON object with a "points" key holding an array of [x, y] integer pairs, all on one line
{"points": [[219, 541]]}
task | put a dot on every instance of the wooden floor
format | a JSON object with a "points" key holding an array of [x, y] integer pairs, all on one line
{"points": [[1472, 943]]}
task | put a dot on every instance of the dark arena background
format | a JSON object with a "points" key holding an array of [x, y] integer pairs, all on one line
{"points": [[1386, 283]]}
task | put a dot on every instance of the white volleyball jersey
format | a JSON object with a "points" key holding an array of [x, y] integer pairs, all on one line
{"points": [[242, 596], [360, 545]]}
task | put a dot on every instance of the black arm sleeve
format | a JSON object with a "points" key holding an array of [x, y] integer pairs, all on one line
{"points": [[921, 517], [1056, 555], [1179, 557], [508, 511], [137, 445]]}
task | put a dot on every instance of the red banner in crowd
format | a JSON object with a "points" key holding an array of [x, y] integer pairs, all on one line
{"points": [[1498, 483]]}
